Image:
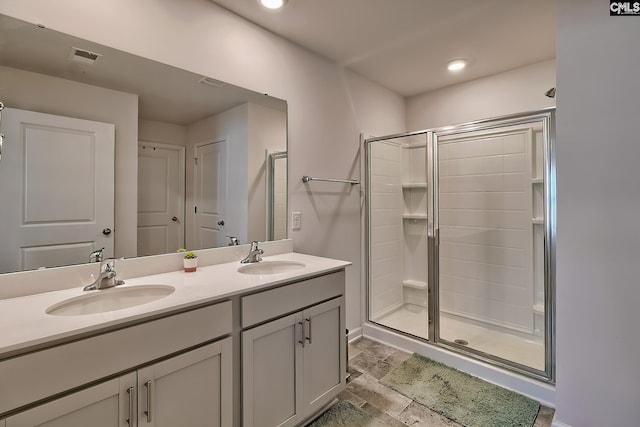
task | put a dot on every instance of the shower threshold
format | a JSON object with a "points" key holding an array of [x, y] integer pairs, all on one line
{"points": [[413, 319]]}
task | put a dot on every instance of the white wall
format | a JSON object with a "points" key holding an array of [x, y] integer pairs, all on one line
{"points": [[53, 95], [510, 92], [163, 132], [598, 200]]}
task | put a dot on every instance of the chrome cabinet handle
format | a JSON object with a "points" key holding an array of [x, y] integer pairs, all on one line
{"points": [[302, 334], [132, 403], [147, 411], [308, 337]]}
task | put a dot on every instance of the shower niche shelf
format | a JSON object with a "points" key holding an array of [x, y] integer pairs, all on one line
{"points": [[414, 195], [415, 284], [417, 217]]}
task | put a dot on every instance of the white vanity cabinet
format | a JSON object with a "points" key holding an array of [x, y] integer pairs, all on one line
{"points": [[129, 377], [192, 389], [294, 365], [108, 404]]}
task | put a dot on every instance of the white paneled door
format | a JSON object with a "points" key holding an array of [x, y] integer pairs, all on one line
{"points": [[56, 190], [210, 194], [160, 198]]}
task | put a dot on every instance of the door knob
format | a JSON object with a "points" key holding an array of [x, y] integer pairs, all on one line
{"points": [[221, 223], [174, 219], [106, 231]]}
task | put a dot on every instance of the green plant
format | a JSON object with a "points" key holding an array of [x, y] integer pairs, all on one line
{"points": [[187, 254]]}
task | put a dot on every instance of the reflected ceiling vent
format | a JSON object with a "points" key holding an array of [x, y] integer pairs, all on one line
{"points": [[83, 55], [211, 82]]}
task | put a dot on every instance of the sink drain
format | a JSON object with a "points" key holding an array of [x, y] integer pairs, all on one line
{"points": [[461, 342]]}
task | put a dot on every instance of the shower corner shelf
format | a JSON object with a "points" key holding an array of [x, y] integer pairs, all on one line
{"points": [[537, 220], [421, 217], [414, 185], [416, 284], [537, 181]]}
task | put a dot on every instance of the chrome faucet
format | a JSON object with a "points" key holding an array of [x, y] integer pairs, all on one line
{"points": [[106, 278], [233, 241], [97, 255], [254, 254]]}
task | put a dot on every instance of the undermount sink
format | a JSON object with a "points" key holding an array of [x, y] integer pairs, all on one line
{"points": [[110, 300], [270, 267]]}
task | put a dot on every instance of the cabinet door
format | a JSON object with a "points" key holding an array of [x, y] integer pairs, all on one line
{"points": [[108, 404], [324, 354], [271, 361], [193, 389]]}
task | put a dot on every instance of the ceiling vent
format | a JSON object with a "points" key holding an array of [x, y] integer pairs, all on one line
{"points": [[83, 55], [211, 82]]}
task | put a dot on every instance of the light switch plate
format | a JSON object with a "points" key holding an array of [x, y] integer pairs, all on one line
{"points": [[296, 220]]}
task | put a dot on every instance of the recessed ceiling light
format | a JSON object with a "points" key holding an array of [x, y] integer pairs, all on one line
{"points": [[457, 65], [273, 4]]}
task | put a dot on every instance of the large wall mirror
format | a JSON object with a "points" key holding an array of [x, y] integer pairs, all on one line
{"points": [[107, 149]]}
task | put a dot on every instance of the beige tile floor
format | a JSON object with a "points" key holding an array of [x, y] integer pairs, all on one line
{"points": [[413, 320], [368, 362]]}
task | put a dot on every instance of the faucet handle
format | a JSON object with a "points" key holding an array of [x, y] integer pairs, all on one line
{"points": [[97, 255]]}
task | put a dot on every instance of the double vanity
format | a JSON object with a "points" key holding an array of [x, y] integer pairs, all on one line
{"points": [[259, 344]]}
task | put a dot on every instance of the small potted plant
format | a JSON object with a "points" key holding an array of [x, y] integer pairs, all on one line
{"points": [[190, 260]]}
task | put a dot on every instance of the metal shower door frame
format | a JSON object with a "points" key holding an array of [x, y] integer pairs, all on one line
{"points": [[547, 117]]}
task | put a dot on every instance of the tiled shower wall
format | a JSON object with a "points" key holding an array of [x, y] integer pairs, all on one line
{"points": [[385, 262], [485, 214]]}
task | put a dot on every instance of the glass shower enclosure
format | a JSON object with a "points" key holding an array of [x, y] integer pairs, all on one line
{"points": [[460, 238]]}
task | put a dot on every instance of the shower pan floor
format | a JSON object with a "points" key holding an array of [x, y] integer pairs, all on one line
{"points": [[413, 320]]}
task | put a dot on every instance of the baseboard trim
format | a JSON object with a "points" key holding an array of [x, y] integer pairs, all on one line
{"points": [[556, 423], [354, 334]]}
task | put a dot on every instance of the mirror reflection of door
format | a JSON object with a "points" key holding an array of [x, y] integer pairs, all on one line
{"points": [[56, 190], [160, 198], [210, 194]]}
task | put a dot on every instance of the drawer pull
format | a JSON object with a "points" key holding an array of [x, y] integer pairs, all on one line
{"points": [[147, 411], [302, 334], [132, 404], [308, 337]]}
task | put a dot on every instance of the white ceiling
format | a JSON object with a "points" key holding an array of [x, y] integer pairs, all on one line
{"points": [[405, 45]]}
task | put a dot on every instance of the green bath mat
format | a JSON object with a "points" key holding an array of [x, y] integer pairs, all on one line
{"points": [[344, 414], [460, 397]]}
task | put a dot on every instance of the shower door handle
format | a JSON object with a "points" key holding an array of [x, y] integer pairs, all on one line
{"points": [[435, 235]]}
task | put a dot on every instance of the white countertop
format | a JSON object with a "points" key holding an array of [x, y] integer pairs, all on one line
{"points": [[25, 324]]}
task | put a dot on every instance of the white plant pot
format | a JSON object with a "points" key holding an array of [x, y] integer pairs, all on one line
{"points": [[190, 264]]}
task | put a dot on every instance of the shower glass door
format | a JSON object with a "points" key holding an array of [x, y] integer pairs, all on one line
{"points": [[396, 182], [491, 223], [460, 239]]}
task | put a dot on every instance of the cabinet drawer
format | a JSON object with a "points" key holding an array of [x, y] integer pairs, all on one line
{"points": [[41, 374], [262, 306]]}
